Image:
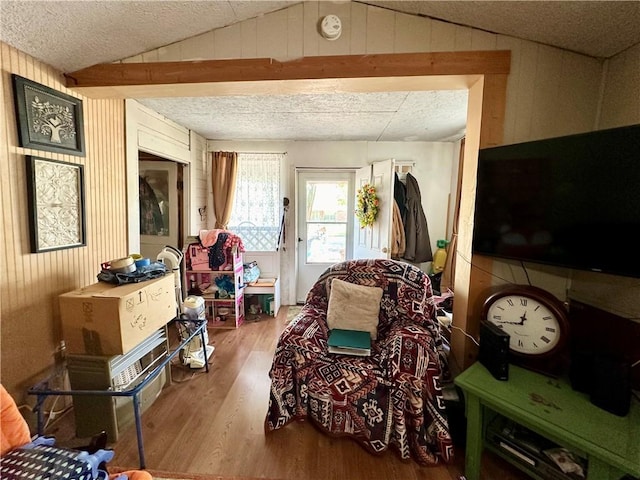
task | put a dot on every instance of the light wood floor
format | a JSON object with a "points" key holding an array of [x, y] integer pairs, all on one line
{"points": [[213, 424]]}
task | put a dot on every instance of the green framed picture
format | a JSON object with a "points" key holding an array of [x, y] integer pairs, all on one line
{"points": [[47, 119]]}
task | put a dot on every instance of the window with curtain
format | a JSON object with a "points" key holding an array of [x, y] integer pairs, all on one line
{"points": [[256, 208]]}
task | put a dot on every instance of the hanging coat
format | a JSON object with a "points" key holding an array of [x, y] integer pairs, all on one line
{"points": [[418, 244], [400, 196], [398, 241]]}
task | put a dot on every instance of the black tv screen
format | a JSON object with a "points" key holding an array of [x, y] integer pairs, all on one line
{"points": [[570, 201]]}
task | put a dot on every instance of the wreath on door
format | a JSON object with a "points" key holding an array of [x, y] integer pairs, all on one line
{"points": [[367, 208]]}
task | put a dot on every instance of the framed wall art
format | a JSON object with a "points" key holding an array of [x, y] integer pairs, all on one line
{"points": [[47, 119], [56, 204]]}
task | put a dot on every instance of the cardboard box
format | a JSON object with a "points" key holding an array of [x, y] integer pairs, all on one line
{"points": [[105, 319]]}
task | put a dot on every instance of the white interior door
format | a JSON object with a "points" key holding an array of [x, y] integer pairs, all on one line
{"points": [[325, 224], [375, 241], [158, 207]]}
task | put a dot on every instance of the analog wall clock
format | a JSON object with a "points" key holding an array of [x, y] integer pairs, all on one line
{"points": [[536, 322]]}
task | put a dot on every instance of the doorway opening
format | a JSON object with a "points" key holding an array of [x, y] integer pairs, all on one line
{"points": [[161, 204]]}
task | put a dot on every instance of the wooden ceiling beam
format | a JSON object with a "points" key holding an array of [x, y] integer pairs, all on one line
{"points": [[261, 69]]}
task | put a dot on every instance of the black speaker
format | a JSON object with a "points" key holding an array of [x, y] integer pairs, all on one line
{"points": [[611, 388], [494, 350], [581, 370]]}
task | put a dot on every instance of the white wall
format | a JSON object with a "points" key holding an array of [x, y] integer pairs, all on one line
{"points": [[197, 187], [433, 168]]}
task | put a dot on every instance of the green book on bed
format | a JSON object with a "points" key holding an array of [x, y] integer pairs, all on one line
{"points": [[349, 342]]}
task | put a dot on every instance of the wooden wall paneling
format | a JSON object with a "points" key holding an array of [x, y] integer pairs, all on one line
{"points": [[358, 29], [98, 190], [151, 56], [115, 210], [620, 294], [20, 278], [119, 154], [200, 47], [151, 141], [504, 42], [7, 261], [272, 34], [131, 169], [99, 184], [412, 34], [30, 283], [118, 214], [112, 185], [196, 185], [170, 53], [545, 92], [160, 126], [96, 234], [463, 38], [249, 29], [481, 40], [310, 23], [621, 98], [295, 31], [117, 160], [443, 36], [380, 31], [525, 102], [102, 193], [134, 59], [493, 110], [340, 46], [580, 79], [160, 136], [19, 202], [226, 42]]}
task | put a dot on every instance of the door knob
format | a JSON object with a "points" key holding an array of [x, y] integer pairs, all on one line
{"points": [[385, 249]]}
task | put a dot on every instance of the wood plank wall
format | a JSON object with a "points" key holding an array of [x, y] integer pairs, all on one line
{"points": [[550, 91], [30, 283]]}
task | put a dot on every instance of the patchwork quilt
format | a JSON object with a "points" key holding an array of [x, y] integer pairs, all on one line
{"points": [[392, 398]]}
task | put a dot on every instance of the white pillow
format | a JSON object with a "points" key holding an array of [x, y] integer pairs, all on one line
{"points": [[354, 307]]}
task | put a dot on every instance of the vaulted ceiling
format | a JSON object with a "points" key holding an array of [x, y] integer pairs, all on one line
{"points": [[70, 35]]}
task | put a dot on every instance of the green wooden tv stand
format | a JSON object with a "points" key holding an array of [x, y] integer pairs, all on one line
{"points": [[551, 408]]}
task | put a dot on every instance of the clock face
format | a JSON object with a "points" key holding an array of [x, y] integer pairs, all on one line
{"points": [[533, 328]]}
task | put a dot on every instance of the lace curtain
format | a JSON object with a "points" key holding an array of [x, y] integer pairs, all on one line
{"points": [[256, 210]]}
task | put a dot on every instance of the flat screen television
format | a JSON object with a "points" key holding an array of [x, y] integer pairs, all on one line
{"points": [[570, 201]]}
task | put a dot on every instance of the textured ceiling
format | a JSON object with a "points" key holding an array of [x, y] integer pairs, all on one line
{"points": [[388, 116], [85, 33], [594, 28]]}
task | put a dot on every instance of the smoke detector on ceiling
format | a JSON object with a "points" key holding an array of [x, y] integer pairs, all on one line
{"points": [[331, 27]]}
